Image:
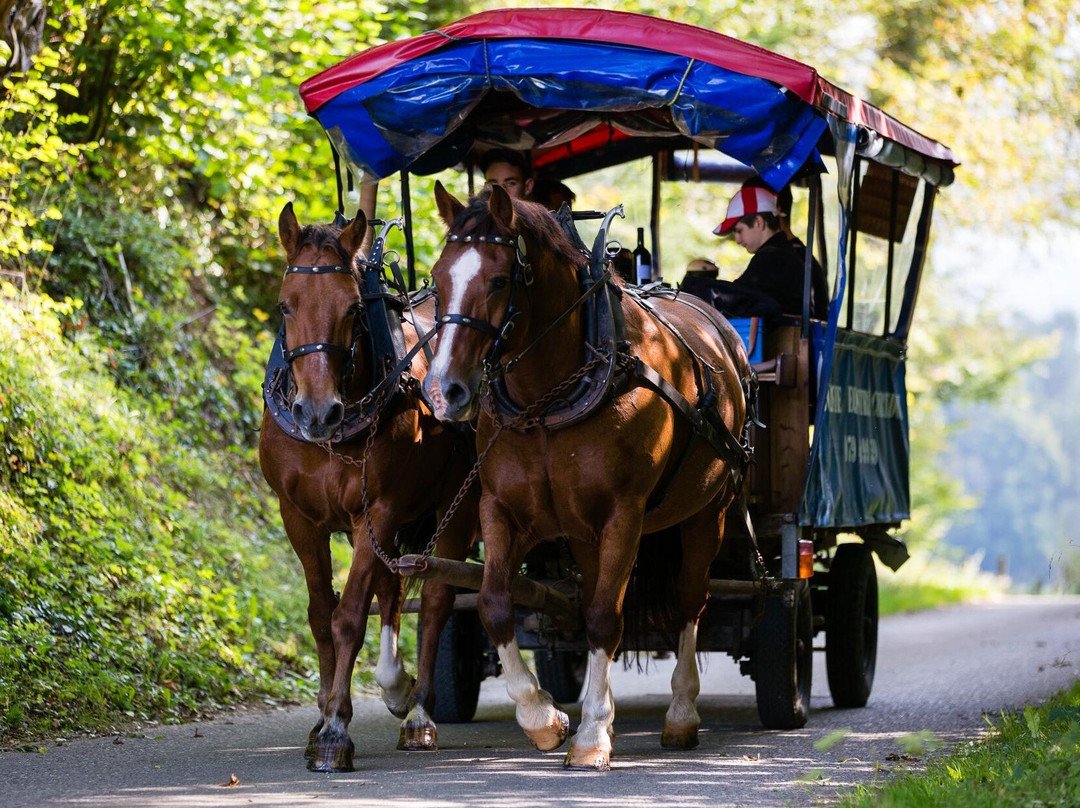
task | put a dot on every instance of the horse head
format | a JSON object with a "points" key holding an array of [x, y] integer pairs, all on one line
{"points": [[496, 248], [322, 310]]}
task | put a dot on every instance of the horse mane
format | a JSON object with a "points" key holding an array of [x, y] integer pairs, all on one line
{"points": [[532, 219], [323, 236]]}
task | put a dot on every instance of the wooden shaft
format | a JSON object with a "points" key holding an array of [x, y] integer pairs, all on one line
{"points": [[525, 591]]}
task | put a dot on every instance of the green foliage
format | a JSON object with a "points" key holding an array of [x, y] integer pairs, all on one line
{"points": [[1032, 758], [144, 575], [36, 163]]}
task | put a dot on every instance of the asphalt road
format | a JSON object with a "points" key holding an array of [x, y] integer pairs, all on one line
{"points": [[938, 673]]}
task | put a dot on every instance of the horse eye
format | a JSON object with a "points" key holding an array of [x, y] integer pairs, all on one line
{"points": [[283, 307], [499, 283]]}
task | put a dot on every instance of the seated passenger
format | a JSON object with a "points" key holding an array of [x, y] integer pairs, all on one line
{"points": [[508, 169], [776, 267], [552, 194], [819, 289], [702, 279]]}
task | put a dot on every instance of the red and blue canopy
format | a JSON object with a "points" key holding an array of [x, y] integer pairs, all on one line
{"points": [[570, 85]]}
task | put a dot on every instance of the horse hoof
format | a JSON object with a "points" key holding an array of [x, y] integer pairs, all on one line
{"points": [[418, 738], [309, 750], [587, 760], [331, 755], [552, 736], [680, 737]]}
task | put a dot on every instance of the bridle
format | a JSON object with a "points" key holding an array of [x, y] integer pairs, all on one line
{"points": [[324, 347], [521, 277]]}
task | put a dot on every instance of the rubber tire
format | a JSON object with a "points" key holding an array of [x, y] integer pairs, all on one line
{"points": [[851, 625], [784, 660], [459, 668], [561, 673]]}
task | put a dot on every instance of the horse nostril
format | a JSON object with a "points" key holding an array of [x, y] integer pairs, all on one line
{"points": [[334, 414], [456, 394], [297, 411]]}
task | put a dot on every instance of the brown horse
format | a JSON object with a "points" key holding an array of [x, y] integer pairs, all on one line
{"points": [[402, 465], [631, 465]]}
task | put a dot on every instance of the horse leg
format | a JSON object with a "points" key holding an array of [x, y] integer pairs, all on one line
{"points": [[312, 546], [333, 746], [701, 536], [545, 724], [394, 683], [591, 748], [418, 730]]}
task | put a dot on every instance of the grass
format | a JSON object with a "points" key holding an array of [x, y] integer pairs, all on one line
{"points": [[927, 583], [1031, 759]]}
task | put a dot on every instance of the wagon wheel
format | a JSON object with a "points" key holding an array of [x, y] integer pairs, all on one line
{"points": [[784, 660], [561, 673], [851, 625], [459, 668]]}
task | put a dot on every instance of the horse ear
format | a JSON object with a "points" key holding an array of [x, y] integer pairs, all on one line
{"points": [[448, 205], [288, 229], [501, 208], [352, 237]]}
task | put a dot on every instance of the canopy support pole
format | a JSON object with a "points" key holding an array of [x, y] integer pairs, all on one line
{"points": [[406, 212], [654, 218]]}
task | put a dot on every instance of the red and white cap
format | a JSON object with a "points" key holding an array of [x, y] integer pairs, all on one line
{"points": [[752, 199]]}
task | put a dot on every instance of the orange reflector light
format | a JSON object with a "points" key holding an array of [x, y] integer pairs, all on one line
{"points": [[806, 559]]}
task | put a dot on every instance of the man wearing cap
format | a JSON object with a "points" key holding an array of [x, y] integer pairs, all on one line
{"points": [[776, 268], [508, 169]]}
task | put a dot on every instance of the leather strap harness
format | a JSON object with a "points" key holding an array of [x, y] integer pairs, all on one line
{"points": [[616, 369], [380, 320]]}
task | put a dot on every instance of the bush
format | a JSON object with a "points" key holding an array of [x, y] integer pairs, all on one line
{"points": [[145, 573]]}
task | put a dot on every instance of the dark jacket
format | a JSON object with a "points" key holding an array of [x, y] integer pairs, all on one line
{"points": [[776, 270]]}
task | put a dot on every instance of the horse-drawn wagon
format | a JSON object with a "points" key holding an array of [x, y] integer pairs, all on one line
{"points": [[824, 408]]}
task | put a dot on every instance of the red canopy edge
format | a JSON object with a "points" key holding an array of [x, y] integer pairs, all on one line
{"points": [[866, 114]]}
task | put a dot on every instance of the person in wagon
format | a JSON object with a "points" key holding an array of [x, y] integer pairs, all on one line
{"points": [[552, 193], [509, 170], [776, 265], [701, 278]]}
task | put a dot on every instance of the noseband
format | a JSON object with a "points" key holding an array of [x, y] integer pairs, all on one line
{"points": [[520, 275], [322, 347]]}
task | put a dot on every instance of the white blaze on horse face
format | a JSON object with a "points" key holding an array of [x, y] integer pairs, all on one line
{"points": [[462, 273], [597, 706]]}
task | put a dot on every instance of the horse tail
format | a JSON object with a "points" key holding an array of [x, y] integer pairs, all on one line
{"points": [[651, 609]]}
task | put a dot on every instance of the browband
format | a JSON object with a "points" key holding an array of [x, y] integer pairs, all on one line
{"points": [[320, 269], [500, 240]]}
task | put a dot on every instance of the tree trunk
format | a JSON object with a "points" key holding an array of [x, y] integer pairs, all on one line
{"points": [[22, 24]]}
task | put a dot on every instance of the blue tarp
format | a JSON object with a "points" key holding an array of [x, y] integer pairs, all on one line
{"points": [[419, 108]]}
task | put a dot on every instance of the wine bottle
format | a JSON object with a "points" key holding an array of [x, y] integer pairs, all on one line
{"points": [[642, 260]]}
